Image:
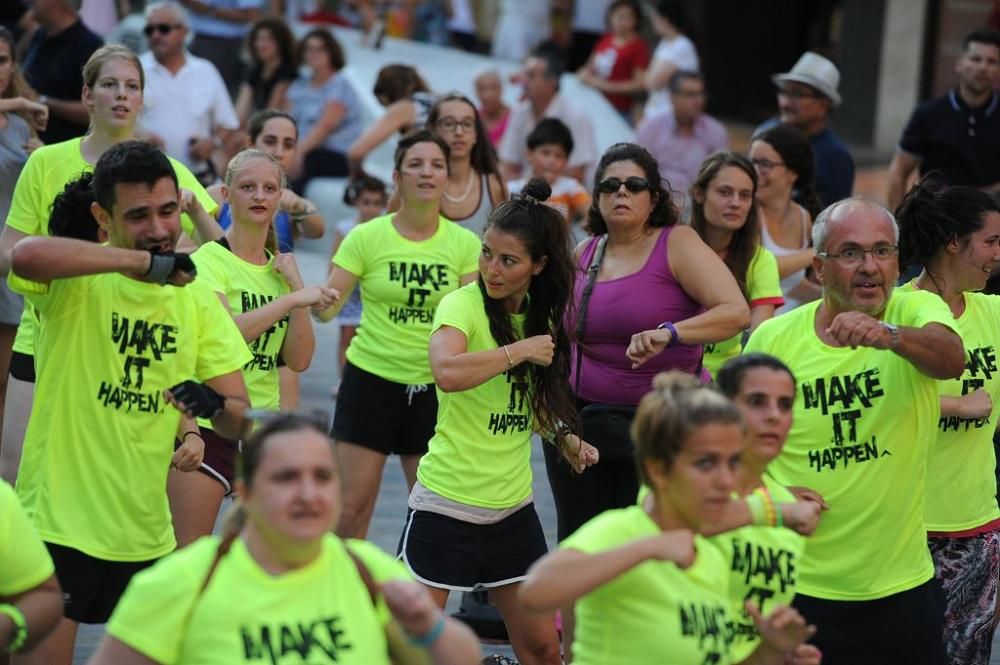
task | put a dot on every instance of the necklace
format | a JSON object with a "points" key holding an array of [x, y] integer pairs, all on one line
{"points": [[465, 194]]}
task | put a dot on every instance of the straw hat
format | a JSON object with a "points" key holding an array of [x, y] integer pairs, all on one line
{"points": [[816, 71]]}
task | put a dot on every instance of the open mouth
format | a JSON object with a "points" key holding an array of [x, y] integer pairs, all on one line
{"points": [[867, 286], [258, 208]]}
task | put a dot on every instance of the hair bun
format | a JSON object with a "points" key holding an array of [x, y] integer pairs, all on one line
{"points": [[537, 189], [675, 380]]}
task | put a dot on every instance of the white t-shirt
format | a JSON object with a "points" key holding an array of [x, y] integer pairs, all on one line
{"points": [[462, 19], [194, 102], [514, 145], [588, 16], [681, 52]]}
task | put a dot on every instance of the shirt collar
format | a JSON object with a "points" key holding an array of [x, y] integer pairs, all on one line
{"points": [[959, 104]]}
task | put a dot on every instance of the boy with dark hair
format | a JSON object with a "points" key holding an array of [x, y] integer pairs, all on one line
{"points": [[550, 144]]}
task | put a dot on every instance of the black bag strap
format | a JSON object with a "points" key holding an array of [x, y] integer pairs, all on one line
{"points": [[581, 315]]}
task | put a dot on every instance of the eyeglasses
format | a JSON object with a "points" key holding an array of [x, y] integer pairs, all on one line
{"points": [[634, 184], [162, 28], [452, 125], [856, 255], [799, 94], [765, 164]]}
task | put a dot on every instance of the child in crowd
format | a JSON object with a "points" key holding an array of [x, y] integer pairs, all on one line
{"points": [[550, 144], [368, 195]]}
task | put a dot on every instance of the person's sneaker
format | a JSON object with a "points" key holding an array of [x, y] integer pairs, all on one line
{"points": [[497, 659]]}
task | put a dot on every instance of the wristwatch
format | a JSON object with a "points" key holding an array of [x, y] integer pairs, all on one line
{"points": [[893, 333], [669, 327]]}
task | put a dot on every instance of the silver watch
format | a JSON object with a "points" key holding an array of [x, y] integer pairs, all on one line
{"points": [[894, 334]]}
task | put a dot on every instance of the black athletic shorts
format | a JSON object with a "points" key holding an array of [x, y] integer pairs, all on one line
{"points": [[91, 587], [906, 628], [447, 553], [219, 462], [22, 367], [384, 416]]}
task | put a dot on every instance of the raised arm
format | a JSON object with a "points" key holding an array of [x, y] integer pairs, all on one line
{"points": [[398, 115], [900, 169], [934, 349], [456, 369], [43, 259]]}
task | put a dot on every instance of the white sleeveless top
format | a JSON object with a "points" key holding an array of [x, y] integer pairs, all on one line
{"points": [[791, 281]]}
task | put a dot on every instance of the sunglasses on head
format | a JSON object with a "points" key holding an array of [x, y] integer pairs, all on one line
{"points": [[162, 28], [634, 184]]}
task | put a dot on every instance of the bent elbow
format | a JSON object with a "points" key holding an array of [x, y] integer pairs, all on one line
{"points": [[24, 258], [298, 365]]}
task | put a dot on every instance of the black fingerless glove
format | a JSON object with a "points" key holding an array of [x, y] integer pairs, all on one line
{"points": [[199, 399], [163, 265]]}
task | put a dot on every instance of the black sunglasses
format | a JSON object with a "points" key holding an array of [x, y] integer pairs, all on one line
{"points": [[162, 28], [634, 184]]}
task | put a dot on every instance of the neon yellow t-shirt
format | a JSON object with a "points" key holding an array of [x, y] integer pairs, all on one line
{"points": [[655, 612], [864, 422], [480, 454], [247, 287], [99, 441], [45, 174], [764, 287], [961, 484], [24, 561], [319, 613], [763, 567], [402, 282]]}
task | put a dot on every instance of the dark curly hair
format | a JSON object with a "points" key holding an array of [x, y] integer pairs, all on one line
{"points": [[664, 211]]}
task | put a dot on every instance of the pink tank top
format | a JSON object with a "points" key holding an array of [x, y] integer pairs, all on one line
{"points": [[620, 308]]}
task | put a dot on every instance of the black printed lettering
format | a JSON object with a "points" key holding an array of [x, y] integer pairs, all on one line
{"points": [[303, 641], [140, 336], [126, 400], [434, 275], [825, 393]]}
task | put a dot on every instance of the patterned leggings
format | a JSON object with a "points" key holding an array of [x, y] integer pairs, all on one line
{"points": [[968, 569]]}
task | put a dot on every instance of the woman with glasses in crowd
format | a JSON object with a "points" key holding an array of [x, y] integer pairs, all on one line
{"points": [[785, 167], [474, 185], [278, 585]]}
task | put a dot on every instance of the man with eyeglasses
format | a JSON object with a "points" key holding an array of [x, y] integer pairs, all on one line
{"points": [[52, 66], [680, 138], [187, 109], [957, 135], [866, 410], [807, 96]]}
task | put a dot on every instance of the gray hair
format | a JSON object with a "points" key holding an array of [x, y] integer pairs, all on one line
{"points": [[169, 5], [820, 225]]}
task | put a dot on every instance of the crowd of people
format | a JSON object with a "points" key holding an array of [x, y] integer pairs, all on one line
{"points": [[766, 407]]}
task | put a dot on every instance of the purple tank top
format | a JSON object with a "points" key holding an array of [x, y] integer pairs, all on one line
{"points": [[620, 308]]}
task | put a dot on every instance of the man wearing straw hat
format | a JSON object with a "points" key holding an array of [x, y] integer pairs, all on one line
{"points": [[806, 96]]}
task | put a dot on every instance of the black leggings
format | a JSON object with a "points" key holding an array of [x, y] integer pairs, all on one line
{"points": [[611, 483], [320, 163]]}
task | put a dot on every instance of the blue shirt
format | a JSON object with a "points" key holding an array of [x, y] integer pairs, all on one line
{"points": [[209, 26], [282, 227], [308, 103]]}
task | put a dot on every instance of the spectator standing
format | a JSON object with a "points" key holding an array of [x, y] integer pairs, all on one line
{"points": [[52, 65], [541, 75], [674, 52], [521, 26], [864, 449], [683, 135], [187, 111], [492, 111], [220, 28], [272, 50], [806, 97], [326, 110], [618, 64], [588, 24], [956, 135]]}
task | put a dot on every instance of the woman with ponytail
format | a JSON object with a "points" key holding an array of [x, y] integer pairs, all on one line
{"points": [[278, 580], [264, 291], [644, 581], [500, 354], [954, 233]]}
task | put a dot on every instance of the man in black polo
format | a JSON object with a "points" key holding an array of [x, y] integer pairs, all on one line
{"points": [[958, 134], [53, 66]]}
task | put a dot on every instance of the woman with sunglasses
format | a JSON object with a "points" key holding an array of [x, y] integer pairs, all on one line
{"points": [[785, 165], [660, 293], [474, 185], [724, 215], [954, 233], [278, 585], [113, 82], [500, 355]]}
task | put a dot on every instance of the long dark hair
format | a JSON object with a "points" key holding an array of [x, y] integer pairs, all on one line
{"points": [[395, 82], [334, 52], [483, 157], [930, 215], [729, 379], [544, 234], [664, 212], [743, 247], [794, 149]]}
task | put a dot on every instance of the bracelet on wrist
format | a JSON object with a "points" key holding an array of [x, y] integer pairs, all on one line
{"points": [[431, 636], [187, 434], [510, 361], [20, 627], [669, 327]]}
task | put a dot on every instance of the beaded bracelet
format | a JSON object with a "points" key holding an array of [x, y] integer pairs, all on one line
{"points": [[770, 510], [431, 636], [20, 627]]}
